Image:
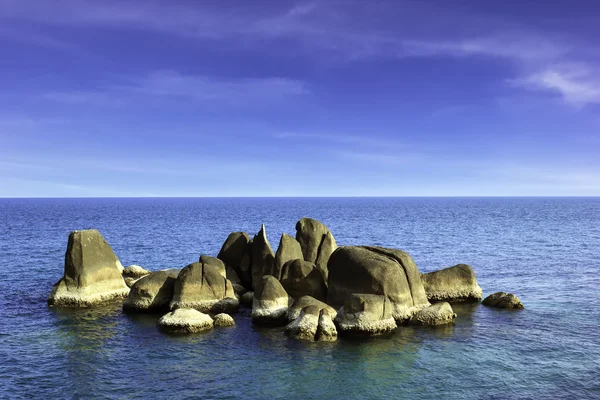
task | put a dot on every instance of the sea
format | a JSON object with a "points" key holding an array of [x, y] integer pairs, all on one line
{"points": [[544, 250]]}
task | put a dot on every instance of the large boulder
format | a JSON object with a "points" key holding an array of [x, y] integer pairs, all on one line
{"points": [[92, 273], [152, 293], [453, 284], [185, 320], [288, 249], [271, 302], [302, 278], [305, 301], [214, 262], [436, 314], [376, 270], [203, 286], [317, 243], [262, 257], [365, 315], [233, 251], [503, 300]]}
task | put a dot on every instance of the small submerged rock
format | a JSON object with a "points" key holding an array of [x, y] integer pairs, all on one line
{"points": [[503, 300], [436, 314], [453, 284], [365, 314], [223, 320], [185, 320]]}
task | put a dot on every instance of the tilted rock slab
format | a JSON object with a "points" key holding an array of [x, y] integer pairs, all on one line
{"points": [[92, 273], [317, 243], [452, 284], [376, 270], [152, 293], [185, 320], [365, 315]]}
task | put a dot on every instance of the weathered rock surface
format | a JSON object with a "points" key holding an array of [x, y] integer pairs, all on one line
{"points": [[436, 314], [503, 300], [453, 284], [235, 249], [214, 262], [305, 301], [223, 320], [202, 286], [365, 314], [92, 273], [152, 293], [262, 257], [305, 326], [130, 281], [135, 271], [302, 278], [376, 270], [317, 243], [270, 302], [247, 298], [326, 330], [185, 320], [288, 250]]}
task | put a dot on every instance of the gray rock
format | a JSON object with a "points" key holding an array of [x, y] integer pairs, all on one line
{"points": [[135, 271], [270, 302], [302, 278], [305, 326], [326, 330], [152, 293], [365, 315], [247, 298], [235, 249], [185, 320], [453, 284], [376, 270], [92, 273], [130, 281], [305, 301], [223, 320], [214, 262], [317, 243], [436, 314], [203, 287], [503, 300], [262, 257], [288, 249]]}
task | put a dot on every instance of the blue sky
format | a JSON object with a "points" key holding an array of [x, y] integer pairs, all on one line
{"points": [[299, 98]]}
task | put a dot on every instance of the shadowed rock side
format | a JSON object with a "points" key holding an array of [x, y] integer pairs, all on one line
{"points": [[436, 314], [152, 293], [262, 257], [365, 315], [185, 320], [317, 243], [503, 300], [202, 286], [92, 273], [288, 250], [314, 324], [305, 301], [233, 252], [376, 270], [247, 298], [302, 278], [270, 302], [453, 284]]}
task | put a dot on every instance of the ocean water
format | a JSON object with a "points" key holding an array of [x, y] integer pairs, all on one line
{"points": [[545, 250]]}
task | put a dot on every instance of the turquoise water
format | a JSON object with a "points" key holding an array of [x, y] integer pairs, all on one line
{"points": [[546, 250]]}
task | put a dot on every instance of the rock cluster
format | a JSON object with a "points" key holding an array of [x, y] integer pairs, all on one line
{"points": [[311, 286]]}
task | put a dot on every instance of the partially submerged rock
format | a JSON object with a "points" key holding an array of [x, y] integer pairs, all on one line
{"points": [[365, 315], [185, 320], [203, 286], [135, 271], [302, 278], [317, 243], [326, 330], [270, 302], [234, 251], [376, 270], [453, 284], [223, 320], [92, 273], [262, 257], [288, 250], [436, 314], [152, 293], [503, 300], [305, 301], [305, 326]]}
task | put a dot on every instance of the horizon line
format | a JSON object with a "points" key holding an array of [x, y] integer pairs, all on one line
{"points": [[297, 197]]}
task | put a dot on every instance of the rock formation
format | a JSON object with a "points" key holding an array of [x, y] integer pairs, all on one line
{"points": [[313, 323], [223, 320], [376, 270], [453, 284], [365, 315], [152, 293], [262, 257], [436, 314], [288, 250], [305, 301], [135, 271], [317, 243], [270, 302], [302, 278], [92, 273], [503, 300], [235, 249], [185, 320], [214, 262]]}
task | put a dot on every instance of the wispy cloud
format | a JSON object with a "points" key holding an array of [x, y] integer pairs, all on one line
{"points": [[341, 139]]}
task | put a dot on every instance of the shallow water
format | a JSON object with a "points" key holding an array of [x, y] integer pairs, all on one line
{"points": [[546, 250]]}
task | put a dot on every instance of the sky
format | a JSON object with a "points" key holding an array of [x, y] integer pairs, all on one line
{"points": [[122, 98]]}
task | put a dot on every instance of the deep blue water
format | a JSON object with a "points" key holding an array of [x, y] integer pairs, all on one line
{"points": [[545, 250]]}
